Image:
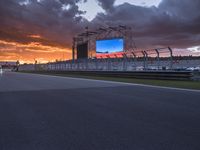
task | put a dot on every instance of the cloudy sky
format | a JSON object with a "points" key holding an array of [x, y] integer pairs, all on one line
{"points": [[43, 29]]}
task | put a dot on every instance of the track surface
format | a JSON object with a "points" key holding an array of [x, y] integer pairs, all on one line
{"points": [[56, 113]]}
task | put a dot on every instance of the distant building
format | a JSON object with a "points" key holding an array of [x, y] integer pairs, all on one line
{"points": [[8, 64]]}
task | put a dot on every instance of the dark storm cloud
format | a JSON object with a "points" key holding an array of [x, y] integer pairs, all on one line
{"points": [[106, 4], [46, 18], [173, 23]]}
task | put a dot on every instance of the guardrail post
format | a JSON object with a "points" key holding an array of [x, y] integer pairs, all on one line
{"points": [[171, 58], [134, 59], [124, 62], [146, 59], [86, 61], [97, 64], [145, 55], [71, 64], [144, 63], [158, 58]]}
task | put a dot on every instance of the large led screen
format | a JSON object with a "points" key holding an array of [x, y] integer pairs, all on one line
{"points": [[110, 45]]}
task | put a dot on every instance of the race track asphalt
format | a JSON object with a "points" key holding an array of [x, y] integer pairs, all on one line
{"points": [[39, 112]]}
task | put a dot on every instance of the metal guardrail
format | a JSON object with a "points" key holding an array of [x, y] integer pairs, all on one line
{"points": [[164, 75]]}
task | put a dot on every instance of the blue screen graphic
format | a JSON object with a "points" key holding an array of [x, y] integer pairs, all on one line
{"points": [[110, 45]]}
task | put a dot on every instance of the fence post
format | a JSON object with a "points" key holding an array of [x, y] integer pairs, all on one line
{"points": [[158, 58], [144, 59], [171, 58]]}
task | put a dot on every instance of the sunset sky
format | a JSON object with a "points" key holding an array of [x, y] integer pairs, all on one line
{"points": [[42, 30]]}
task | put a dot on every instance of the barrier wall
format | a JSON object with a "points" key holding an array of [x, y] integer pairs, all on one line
{"points": [[120, 68], [113, 65]]}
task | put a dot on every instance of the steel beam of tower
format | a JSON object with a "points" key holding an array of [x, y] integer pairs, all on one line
{"points": [[73, 49]]}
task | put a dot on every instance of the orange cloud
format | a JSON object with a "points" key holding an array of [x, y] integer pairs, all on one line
{"points": [[13, 51], [35, 36]]}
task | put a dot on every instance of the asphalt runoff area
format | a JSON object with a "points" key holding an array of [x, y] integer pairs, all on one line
{"points": [[40, 112]]}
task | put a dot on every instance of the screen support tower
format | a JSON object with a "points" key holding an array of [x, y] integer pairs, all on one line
{"points": [[91, 36]]}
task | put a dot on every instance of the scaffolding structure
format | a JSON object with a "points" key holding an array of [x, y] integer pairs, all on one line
{"points": [[131, 59], [102, 33]]}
